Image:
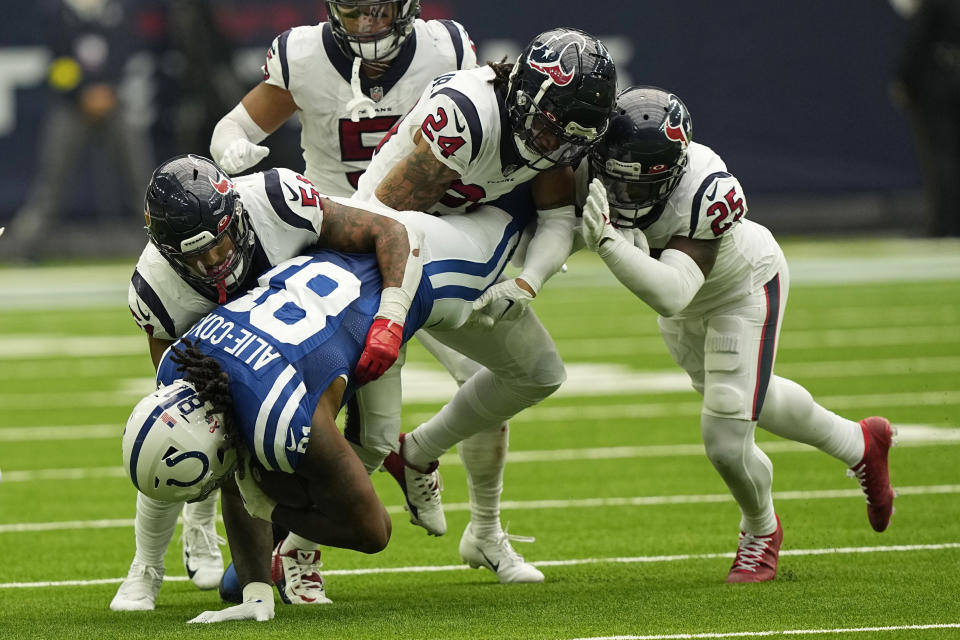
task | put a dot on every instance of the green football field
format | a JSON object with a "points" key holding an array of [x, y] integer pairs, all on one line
{"points": [[634, 529]]}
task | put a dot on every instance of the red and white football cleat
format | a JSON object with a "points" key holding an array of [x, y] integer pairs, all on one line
{"points": [[757, 557], [297, 576], [873, 470]]}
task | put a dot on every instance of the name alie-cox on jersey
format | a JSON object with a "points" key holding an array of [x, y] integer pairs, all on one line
{"points": [[237, 341]]}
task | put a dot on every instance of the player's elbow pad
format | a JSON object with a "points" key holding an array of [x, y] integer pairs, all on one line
{"points": [[236, 124], [668, 285]]}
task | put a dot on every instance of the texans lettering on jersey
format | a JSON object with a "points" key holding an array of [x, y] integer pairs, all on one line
{"points": [[307, 62], [285, 214], [465, 123]]}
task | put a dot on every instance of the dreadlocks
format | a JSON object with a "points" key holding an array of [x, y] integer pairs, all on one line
{"points": [[502, 72], [210, 381]]}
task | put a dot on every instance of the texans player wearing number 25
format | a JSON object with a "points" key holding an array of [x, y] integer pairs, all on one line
{"points": [[668, 220]]}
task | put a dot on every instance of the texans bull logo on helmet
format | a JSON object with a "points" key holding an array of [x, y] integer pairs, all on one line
{"points": [[547, 58], [676, 127]]}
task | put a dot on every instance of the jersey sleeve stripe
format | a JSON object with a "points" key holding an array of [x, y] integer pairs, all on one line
{"points": [[284, 64], [263, 432], [284, 427], [695, 205], [148, 295], [456, 38], [278, 200], [469, 111]]}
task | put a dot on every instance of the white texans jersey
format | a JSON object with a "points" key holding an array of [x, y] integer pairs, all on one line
{"points": [[285, 214], [465, 122], [307, 62], [709, 203]]}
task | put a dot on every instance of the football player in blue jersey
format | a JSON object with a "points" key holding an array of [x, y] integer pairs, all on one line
{"points": [[210, 237], [271, 369]]}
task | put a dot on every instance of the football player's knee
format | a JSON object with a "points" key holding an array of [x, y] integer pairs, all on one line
{"points": [[373, 532], [723, 445], [371, 457], [723, 399]]}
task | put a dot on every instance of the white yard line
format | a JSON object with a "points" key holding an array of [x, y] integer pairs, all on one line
{"points": [[520, 505], [946, 546], [783, 632]]}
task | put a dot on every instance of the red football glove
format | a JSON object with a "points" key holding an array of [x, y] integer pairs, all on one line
{"points": [[380, 351]]}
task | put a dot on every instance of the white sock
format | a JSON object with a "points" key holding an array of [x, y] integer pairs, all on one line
{"points": [[153, 529], [484, 457], [483, 402], [746, 470], [789, 411], [204, 512], [294, 541]]}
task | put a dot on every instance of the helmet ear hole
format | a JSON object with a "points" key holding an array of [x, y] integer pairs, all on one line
{"points": [[171, 451]]}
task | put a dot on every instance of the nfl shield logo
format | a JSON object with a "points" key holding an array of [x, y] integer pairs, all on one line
{"points": [[376, 93]]}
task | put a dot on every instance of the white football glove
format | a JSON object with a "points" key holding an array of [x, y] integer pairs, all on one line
{"points": [[240, 155], [503, 301], [596, 225], [255, 501], [257, 605]]}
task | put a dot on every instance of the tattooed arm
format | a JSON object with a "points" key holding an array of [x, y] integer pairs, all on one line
{"points": [[349, 229], [417, 182]]}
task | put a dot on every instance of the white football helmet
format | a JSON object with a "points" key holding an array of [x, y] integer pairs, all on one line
{"points": [[172, 451]]}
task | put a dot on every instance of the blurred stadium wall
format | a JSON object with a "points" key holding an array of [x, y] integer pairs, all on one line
{"points": [[792, 95]]}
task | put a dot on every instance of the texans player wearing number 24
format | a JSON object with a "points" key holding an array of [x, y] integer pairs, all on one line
{"points": [[668, 220]]}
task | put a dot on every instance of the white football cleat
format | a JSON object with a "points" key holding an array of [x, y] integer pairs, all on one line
{"points": [[421, 489], [138, 591], [201, 553], [498, 555], [297, 576]]}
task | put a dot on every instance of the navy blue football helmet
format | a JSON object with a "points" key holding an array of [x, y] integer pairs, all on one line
{"points": [[644, 153], [192, 209], [560, 97]]}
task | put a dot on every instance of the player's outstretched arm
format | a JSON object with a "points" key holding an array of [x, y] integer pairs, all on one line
{"points": [[417, 182], [346, 511]]}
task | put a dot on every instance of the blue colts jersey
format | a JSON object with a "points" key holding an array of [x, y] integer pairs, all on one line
{"points": [[284, 342]]}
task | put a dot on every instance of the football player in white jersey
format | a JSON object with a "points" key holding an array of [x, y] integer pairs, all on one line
{"points": [[349, 80], [210, 238], [669, 221], [502, 136]]}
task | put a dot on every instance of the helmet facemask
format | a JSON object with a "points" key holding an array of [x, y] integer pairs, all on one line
{"points": [[632, 192], [541, 140], [215, 262], [373, 30]]}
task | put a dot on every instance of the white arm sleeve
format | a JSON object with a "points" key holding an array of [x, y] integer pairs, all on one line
{"points": [[237, 124], [550, 246], [667, 285]]}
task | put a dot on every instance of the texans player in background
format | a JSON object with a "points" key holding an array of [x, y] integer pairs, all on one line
{"points": [[503, 136], [668, 220], [348, 80], [210, 238]]}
